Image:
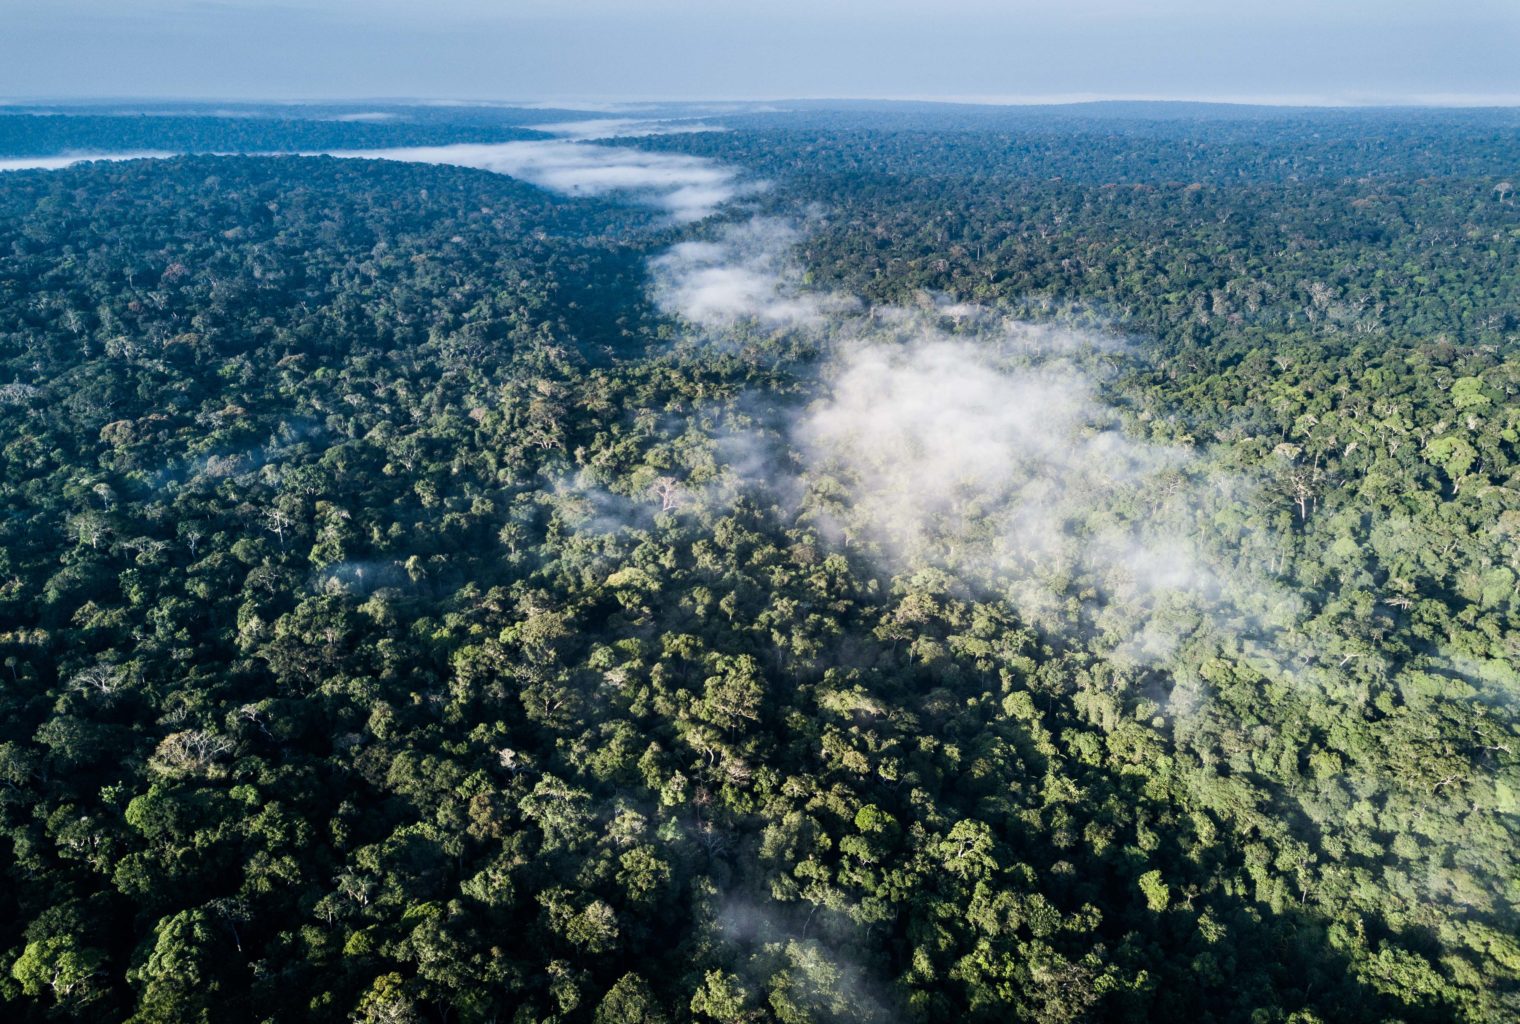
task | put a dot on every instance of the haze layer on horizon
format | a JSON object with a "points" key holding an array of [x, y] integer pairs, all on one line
{"points": [[1288, 51]]}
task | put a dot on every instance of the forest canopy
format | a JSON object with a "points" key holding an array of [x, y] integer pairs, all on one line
{"points": [[1053, 568]]}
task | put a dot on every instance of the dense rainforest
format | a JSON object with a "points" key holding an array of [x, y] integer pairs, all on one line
{"points": [[177, 129], [409, 614]]}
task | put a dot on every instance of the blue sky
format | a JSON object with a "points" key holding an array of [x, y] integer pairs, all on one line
{"points": [[1335, 51]]}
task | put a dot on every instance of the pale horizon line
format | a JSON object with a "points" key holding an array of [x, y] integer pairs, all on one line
{"points": [[1452, 101]]}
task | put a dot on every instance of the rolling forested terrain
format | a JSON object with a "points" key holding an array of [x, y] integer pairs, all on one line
{"points": [[1056, 567], [252, 128]]}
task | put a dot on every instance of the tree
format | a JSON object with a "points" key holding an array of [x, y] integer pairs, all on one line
{"points": [[59, 965], [723, 998], [1157, 893], [629, 1002], [732, 696], [174, 970], [1454, 455], [386, 1002]]}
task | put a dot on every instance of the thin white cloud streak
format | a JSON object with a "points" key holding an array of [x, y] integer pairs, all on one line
{"points": [[689, 188], [625, 128], [365, 117], [686, 187], [55, 163], [589, 106]]}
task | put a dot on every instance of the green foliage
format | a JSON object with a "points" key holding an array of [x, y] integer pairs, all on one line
{"points": [[58, 967], [384, 641], [1158, 894], [629, 1002]]}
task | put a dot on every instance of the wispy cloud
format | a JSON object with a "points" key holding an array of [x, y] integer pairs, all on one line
{"points": [[688, 188], [995, 461], [745, 272], [626, 128], [952, 436], [366, 117], [54, 163]]}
